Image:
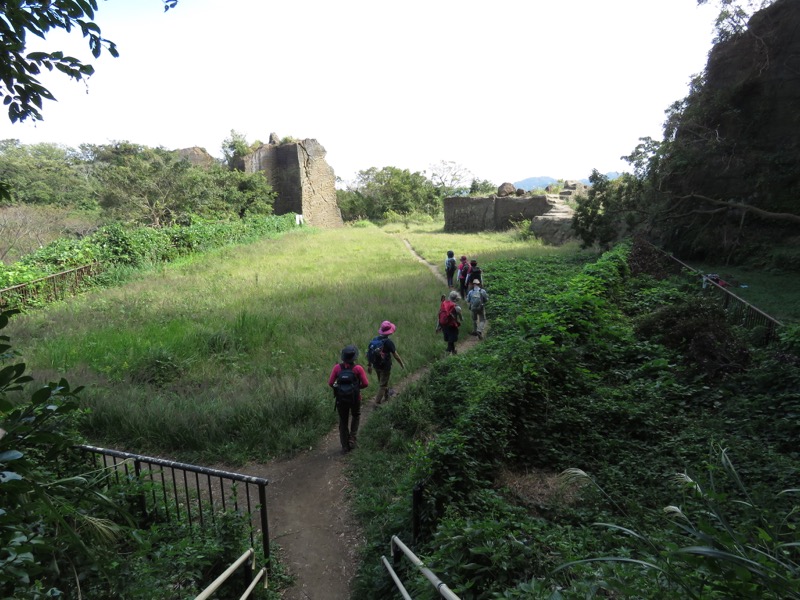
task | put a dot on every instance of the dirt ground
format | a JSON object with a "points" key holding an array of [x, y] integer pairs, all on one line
{"points": [[309, 514]]}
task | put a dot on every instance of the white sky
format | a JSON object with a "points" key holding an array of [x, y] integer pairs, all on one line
{"points": [[508, 89]]}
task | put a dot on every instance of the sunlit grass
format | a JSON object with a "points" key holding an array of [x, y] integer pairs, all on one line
{"points": [[226, 355]]}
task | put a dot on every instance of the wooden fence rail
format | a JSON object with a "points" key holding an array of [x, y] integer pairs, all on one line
{"points": [[47, 289]]}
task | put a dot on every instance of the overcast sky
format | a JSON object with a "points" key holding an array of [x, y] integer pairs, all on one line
{"points": [[508, 89]]}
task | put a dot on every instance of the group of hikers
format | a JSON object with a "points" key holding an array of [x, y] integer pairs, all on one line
{"points": [[348, 378]]}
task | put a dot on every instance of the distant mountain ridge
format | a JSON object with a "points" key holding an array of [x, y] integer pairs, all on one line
{"points": [[539, 183]]}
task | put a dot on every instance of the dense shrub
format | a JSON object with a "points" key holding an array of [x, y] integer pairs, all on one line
{"points": [[620, 376], [116, 245]]}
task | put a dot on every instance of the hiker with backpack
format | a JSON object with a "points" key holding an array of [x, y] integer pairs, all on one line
{"points": [[476, 300], [450, 268], [474, 272], [347, 380], [379, 356], [450, 320], [463, 267]]}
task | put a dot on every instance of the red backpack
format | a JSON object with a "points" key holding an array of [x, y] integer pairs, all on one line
{"points": [[447, 314]]}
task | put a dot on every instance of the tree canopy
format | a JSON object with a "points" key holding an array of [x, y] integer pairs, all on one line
{"points": [[378, 192], [20, 88]]}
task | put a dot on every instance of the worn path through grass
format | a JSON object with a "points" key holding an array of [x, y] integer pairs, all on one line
{"points": [[309, 511]]}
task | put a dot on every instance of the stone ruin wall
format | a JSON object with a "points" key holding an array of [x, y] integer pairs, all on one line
{"points": [[303, 181], [492, 213]]}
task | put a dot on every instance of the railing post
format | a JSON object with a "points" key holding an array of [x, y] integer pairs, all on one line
{"points": [[137, 470], [262, 499]]}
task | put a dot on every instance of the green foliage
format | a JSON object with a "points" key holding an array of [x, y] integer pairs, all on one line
{"points": [[522, 230], [377, 192], [606, 214], [21, 91], [45, 174], [733, 16], [597, 369], [18, 273], [724, 543], [132, 183], [63, 529], [116, 245], [790, 338], [234, 149], [483, 187]]}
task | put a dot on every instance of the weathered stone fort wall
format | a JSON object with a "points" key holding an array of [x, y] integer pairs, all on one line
{"points": [[492, 213], [304, 182]]}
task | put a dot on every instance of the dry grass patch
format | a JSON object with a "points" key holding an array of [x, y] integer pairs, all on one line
{"points": [[535, 488]]}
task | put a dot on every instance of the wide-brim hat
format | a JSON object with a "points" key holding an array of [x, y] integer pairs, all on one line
{"points": [[386, 328], [349, 353], [476, 281]]}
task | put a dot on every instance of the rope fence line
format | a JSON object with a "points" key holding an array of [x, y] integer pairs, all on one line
{"points": [[739, 311]]}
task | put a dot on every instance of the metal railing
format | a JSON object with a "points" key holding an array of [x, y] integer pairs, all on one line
{"points": [[50, 288], [398, 548], [179, 487], [248, 555]]}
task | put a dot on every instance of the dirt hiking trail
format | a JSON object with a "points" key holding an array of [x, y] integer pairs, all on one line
{"points": [[310, 517]]}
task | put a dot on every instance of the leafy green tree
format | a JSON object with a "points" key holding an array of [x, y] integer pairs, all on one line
{"points": [[152, 186], [733, 16], [223, 194], [479, 187], [20, 88], [155, 186], [45, 174], [378, 191], [234, 148], [609, 211]]}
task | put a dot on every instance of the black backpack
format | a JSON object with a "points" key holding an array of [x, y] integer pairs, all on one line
{"points": [[347, 384], [376, 355], [476, 273], [450, 265]]}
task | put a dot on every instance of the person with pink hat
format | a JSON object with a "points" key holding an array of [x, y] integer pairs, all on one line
{"points": [[379, 356]]}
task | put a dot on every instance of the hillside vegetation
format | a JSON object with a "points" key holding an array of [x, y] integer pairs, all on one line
{"points": [[612, 437], [633, 381]]}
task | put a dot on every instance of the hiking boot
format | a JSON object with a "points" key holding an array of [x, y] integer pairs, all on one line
{"points": [[352, 442], [480, 335], [473, 333]]}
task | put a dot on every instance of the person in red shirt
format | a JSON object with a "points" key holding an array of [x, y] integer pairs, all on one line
{"points": [[347, 380]]}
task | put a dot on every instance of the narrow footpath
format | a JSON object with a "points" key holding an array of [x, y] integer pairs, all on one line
{"points": [[310, 517]]}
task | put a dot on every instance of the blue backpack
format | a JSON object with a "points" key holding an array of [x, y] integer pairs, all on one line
{"points": [[376, 354]]}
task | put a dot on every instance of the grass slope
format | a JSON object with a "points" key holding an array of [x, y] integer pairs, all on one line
{"points": [[225, 356]]}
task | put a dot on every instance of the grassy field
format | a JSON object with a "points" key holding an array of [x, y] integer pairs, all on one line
{"points": [[225, 357]]}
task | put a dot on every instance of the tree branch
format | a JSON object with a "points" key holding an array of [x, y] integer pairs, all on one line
{"points": [[727, 204]]}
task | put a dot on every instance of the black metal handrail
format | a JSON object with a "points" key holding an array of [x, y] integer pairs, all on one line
{"points": [[176, 489]]}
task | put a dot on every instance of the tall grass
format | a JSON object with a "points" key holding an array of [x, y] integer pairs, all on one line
{"points": [[226, 356]]}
